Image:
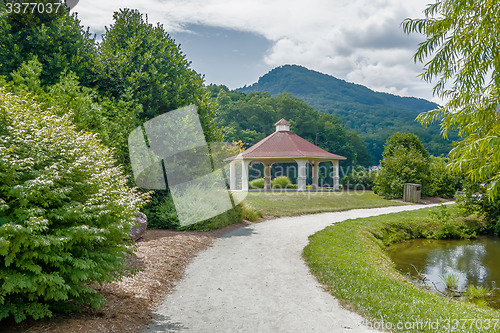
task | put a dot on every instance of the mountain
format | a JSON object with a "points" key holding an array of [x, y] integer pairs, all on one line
{"points": [[374, 115]]}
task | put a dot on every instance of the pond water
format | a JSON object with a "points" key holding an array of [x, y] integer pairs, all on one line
{"points": [[475, 262]]}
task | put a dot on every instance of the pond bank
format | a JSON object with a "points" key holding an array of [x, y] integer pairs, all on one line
{"points": [[349, 258]]}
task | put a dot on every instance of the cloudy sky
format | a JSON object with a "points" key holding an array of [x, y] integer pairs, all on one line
{"points": [[234, 42]]}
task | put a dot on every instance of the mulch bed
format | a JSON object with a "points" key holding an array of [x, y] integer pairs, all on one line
{"points": [[161, 256]]}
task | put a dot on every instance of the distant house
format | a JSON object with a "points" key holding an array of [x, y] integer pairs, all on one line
{"points": [[284, 146]]}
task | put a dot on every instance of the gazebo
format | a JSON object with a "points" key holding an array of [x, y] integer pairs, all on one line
{"points": [[284, 146]]}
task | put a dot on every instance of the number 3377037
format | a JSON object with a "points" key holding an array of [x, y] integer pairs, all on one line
{"points": [[33, 7]]}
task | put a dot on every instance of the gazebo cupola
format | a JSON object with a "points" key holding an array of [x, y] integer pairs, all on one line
{"points": [[284, 146], [282, 125]]}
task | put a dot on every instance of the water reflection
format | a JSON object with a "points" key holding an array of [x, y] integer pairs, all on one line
{"points": [[474, 262]]}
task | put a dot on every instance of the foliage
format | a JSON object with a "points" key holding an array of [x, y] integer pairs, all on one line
{"points": [[360, 180], [349, 258], [474, 292], [162, 214], [450, 280], [141, 58], [447, 225], [57, 39], [65, 212], [405, 161], [374, 115], [407, 141], [462, 44], [281, 182], [256, 183], [442, 182], [250, 118], [474, 200], [249, 212], [111, 120]]}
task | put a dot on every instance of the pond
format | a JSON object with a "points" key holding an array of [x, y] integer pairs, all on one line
{"points": [[473, 262]]}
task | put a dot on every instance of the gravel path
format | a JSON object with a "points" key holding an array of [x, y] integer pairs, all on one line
{"points": [[254, 279]]}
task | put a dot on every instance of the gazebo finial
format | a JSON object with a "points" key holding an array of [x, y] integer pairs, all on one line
{"points": [[282, 125]]}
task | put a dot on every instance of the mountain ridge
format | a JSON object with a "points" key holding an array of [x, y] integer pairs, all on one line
{"points": [[374, 115]]}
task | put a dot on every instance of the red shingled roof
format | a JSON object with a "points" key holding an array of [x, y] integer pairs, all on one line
{"points": [[287, 144]]}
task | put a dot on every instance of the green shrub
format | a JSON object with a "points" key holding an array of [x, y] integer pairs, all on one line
{"points": [[256, 184], [403, 166], [281, 182], [161, 211], [362, 179], [65, 212], [163, 215], [111, 119], [229, 217], [405, 160], [447, 225], [474, 200], [442, 182], [249, 212]]}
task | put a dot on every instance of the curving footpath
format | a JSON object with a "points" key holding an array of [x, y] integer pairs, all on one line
{"points": [[254, 279]]}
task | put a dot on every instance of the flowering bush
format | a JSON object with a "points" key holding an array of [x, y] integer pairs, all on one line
{"points": [[65, 212]]}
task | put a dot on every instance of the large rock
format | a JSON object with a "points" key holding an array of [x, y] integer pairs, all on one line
{"points": [[140, 227]]}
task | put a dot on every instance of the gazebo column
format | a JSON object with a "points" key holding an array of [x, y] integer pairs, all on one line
{"points": [[301, 175], [244, 175], [267, 176], [232, 175], [336, 178], [315, 174]]}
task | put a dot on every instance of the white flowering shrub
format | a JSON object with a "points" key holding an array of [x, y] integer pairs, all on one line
{"points": [[65, 212]]}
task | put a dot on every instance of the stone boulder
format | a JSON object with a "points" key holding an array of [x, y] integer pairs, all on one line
{"points": [[140, 227]]}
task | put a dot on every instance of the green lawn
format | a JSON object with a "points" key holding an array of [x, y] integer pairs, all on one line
{"points": [[349, 258], [299, 203]]}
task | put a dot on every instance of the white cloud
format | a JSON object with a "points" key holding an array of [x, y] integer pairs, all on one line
{"points": [[357, 40]]}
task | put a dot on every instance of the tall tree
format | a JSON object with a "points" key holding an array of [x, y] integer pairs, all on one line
{"points": [[463, 44], [406, 141], [57, 40], [138, 56]]}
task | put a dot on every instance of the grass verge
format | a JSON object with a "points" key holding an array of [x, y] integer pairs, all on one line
{"points": [[349, 258], [299, 203]]}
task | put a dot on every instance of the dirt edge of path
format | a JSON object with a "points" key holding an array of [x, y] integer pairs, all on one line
{"points": [[161, 257]]}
